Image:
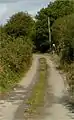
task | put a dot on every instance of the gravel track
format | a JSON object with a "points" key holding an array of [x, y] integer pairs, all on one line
{"points": [[10, 104], [58, 96]]}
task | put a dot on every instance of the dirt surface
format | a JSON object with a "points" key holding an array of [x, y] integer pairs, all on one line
{"points": [[57, 108], [11, 106]]}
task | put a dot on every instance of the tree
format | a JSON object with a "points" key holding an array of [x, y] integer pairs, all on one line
{"points": [[54, 10], [20, 24], [63, 37], [15, 49]]}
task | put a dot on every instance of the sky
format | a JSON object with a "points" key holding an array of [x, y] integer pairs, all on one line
{"points": [[10, 7]]}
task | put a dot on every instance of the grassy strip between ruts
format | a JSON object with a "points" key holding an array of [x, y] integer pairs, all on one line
{"points": [[38, 92]]}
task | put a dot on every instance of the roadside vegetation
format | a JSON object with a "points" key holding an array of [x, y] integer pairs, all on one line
{"points": [[15, 49], [63, 37], [54, 10], [21, 35], [61, 14], [37, 97]]}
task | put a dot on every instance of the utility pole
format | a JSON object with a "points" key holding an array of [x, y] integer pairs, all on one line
{"points": [[49, 32]]}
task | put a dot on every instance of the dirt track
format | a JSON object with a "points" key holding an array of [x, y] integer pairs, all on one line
{"points": [[58, 109], [9, 107], [10, 104]]}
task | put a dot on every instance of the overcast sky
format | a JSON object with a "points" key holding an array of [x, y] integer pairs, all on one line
{"points": [[9, 7]]}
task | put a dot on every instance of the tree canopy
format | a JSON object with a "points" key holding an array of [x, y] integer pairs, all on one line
{"points": [[15, 49], [54, 11], [63, 37], [20, 24]]}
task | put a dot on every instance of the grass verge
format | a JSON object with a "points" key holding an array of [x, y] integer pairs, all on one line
{"points": [[38, 92]]}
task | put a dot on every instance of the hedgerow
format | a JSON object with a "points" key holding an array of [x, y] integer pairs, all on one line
{"points": [[63, 37], [15, 49], [15, 57]]}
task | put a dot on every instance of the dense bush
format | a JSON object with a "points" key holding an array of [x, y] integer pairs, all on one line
{"points": [[54, 10], [19, 24], [63, 37], [15, 57], [15, 49], [70, 78], [69, 69]]}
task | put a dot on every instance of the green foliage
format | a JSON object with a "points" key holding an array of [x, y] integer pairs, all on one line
{"points": [[42, 34], [60, 8], [20, 24], [15, 49], [54, 10], [69, 69], [70, 78], [63, 37], [15, 57]]}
